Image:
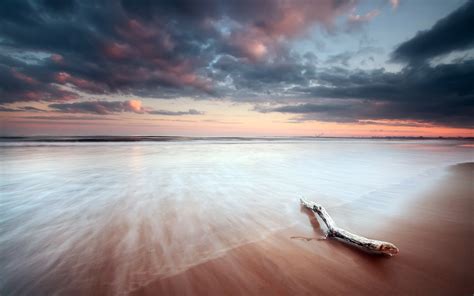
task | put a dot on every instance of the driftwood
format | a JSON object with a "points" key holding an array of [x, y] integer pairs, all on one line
{"points": [[370, 245]]}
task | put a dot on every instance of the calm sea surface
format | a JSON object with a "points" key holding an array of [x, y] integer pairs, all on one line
{"points": [[151, 209]]}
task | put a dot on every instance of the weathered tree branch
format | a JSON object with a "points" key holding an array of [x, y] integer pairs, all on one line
{"points": [[370, 245]]}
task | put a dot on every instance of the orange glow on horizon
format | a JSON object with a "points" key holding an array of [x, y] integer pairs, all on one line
{"points": [[216, 118], [204, 125]]}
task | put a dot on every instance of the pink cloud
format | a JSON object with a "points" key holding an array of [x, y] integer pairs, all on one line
{"points": [[134, 106], [86, 85], [251, 44], [23, 77], [295, 17], [115, 50], [395, 3], [57, 58], [285, 19]]}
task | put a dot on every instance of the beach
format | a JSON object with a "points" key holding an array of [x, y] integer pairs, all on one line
{"points": [[434, 234], [224, 218]]}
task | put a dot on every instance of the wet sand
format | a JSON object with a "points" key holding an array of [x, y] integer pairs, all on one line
{"points": [[172, 255], [435, 235]]}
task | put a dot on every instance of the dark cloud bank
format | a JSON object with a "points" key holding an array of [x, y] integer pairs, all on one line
{"points": [[441, 94], [59, 51], [111, 107]]}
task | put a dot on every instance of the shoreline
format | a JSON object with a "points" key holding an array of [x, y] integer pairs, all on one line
{"points": [[435, 251]]}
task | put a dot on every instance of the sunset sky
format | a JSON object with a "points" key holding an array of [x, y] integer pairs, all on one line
{"points": [[237, 67]]}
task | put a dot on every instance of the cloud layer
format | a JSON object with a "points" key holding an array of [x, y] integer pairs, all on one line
{"points": [[100, 107], [439, 94], [154, 48], [112, 107], [60, 52], [452, 33]]}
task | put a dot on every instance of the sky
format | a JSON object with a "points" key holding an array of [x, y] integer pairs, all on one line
{"points": [[237, 67]]}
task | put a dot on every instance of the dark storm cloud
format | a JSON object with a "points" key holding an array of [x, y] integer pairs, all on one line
{"points": [[99, 107], [176, 113], [359, 111], [438, 94], [325, 111], [308, 108], [445, 82], [57, 51], [141, 47], [112, 107], [442, 94], [21, 109], [451, 33], [250, 80], [94, 47], [67, 117], [15, 85]]}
